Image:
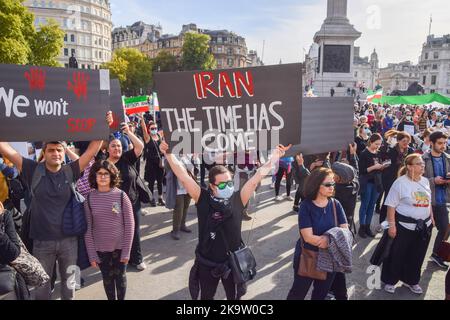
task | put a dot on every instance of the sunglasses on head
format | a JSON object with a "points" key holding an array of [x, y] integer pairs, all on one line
{"points": [[329, 185], [223, 185]]}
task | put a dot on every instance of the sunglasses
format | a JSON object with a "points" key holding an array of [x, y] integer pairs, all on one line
{"points": [[153, 129], [223, 185], [329, 185]]}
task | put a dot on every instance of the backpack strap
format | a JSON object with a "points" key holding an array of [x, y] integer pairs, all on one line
{"points": [[38, 174], [68, 173]]}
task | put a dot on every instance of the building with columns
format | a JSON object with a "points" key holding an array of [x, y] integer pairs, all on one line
{"points": [[398, 76], [434, 65], [87, 25]]}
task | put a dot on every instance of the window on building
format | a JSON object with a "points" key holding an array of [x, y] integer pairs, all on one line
{"points": [[66, 52], [435, 66], [65, 37], [83, 66], [424, 81], [72, 38], [433, 80], [397, 83], [425, 67], [89, 67], [356, 74], [230, 62], [219, 39], [73, 52], [100, 54], [436, 55], [230, 51], [426, 56]]}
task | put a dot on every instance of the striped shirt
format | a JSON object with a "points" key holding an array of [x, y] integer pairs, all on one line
{"points": [[83, 185], [109, 229]]}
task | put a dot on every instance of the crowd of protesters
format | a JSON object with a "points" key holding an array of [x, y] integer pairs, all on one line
{"points": [[397, 167]]}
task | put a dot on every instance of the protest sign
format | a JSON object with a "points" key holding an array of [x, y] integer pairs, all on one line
{"points": [[43, 104], [135, 105], [231, 110], [116, 105], [327, 125]]}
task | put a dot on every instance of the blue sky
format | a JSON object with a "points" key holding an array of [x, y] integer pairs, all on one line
{"points": [[288, 26]]}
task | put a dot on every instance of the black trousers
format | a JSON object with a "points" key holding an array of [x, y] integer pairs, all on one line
{"points": [[447, 283], [441, 218], [153, 173], [301, 286], [114, 275], [209, 284], [406, 257], [298, 195], [280, 173], [136, 253], [339, 287]]}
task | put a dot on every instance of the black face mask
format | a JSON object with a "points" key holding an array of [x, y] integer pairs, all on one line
{"points": [[220, 210]]}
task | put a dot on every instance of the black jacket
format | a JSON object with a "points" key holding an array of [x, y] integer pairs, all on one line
{"points": [[347, 193], [9, 243]]}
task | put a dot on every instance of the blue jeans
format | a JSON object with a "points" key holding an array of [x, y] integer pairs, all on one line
{"points": [[369, 198]]}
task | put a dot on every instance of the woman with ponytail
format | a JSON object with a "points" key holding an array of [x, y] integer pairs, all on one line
{"points": [[410, 218]]}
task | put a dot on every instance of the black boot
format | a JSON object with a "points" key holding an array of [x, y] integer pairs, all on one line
{"points": [[369, 231], [362, 231]]}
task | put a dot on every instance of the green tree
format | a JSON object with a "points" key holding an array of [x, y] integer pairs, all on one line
{"points": [[132, 68], [165, 62], [196, 53], [20, 43]]}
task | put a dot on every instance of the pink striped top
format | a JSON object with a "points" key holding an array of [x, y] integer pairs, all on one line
{"points": [[109, 229]]}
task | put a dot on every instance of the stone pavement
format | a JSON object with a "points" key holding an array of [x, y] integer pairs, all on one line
{"points": [[273, 238]]}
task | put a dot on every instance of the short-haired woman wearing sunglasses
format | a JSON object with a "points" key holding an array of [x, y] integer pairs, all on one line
{"points": [[316, 217], [219, 210]]}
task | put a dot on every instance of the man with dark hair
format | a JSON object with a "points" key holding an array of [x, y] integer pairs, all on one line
{"points": [[49, 199], [437, 170]]}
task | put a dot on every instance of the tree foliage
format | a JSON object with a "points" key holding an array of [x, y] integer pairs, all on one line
{"points": [[132, 68], [21, 43], [196, 53]]}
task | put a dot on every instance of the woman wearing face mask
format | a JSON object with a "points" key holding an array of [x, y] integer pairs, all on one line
{"points": [[362, 139], [219, 211], [154, 169], [371, 167], [396, 157], [410, 218], [407, 124], [388, 122], [433, 120]]}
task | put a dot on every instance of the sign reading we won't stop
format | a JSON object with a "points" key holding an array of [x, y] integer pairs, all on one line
{"points": [[44, 104]]}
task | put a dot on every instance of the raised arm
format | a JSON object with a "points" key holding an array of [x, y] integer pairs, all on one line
{"points": [[144, 130], [138, 145], [180, 171], [249, 188], [12, 155]]}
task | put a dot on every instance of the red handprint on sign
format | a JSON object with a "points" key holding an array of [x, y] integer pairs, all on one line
{"points": [[36, 78], [79, 85]]}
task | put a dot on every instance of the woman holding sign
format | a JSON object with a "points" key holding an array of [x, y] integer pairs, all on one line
{"points": [[219, 211]]}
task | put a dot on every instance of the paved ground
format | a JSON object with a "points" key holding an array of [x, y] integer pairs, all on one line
{"points": [[273, 237]]}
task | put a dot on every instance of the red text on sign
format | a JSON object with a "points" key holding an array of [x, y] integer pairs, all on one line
{"points": [[234, 84], [81, 125]]}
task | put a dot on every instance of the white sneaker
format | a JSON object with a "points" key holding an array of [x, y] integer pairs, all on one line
{"points": [[289, 198], [389, 288], [272, 186], [142, 266], [279, 198], [416, 289]]}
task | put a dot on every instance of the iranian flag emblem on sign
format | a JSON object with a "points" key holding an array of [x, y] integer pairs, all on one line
{"points": [[135, 105]]}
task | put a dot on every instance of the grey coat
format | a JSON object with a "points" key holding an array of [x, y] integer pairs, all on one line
{"points": [[338, 256]]}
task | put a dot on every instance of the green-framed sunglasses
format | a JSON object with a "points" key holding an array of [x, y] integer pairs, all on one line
{"points": [[223, 185]]}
